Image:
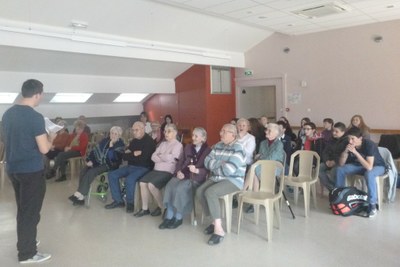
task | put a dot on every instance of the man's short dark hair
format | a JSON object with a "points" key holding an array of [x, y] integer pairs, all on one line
{"points": [[31, 87], [340, 126], [328, 120], [355, 132]]}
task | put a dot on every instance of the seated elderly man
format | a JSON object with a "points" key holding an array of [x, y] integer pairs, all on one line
{"points": [[227, 165], [138, 156]]}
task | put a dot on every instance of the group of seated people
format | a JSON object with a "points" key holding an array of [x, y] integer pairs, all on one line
{"points": [[183, 171]]}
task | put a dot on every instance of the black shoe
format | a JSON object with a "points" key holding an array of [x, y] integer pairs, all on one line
{"points": [[141, 213], [73, 198], [250, 209], [130, 207], [175, 223], [79, 202], [165, 224], [114, 205], [209, 230], [61, 179], [50, 174], [156, 212], [215, 239]]}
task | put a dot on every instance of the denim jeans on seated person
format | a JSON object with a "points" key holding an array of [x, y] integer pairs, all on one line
{"points": [[327, 176], [370, 177], [132, 174]]}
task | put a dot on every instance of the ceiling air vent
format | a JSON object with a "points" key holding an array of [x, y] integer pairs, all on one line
{"points": [[322, 10]]}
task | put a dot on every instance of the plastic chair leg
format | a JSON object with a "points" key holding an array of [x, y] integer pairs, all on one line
{"points": [[240, 215], [269, 213], [306, 193]]}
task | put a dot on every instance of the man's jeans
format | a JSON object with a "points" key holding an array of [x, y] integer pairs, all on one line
{"points": [[326, 179], [370, 177], [132, 174]]}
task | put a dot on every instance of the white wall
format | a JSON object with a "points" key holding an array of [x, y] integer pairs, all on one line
{"points": [[257, 101], [346, 72]]}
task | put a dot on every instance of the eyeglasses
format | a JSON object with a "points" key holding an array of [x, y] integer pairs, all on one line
{"points": [[225, 131], [307, 129]]}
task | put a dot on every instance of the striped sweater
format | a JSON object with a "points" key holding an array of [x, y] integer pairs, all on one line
{"points": [[227, 162]]}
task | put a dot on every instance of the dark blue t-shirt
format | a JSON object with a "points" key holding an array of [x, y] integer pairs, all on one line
{"points": [[21, 124], [367, 149]]}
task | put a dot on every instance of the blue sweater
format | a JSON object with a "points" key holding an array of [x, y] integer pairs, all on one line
{"points": [[102, 153], [227, 162]]}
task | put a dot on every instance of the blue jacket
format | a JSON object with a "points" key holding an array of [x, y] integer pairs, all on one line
{"points": [[102, 153]]}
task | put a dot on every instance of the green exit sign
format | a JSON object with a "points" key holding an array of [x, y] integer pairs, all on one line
{"points": [[248, 72]]}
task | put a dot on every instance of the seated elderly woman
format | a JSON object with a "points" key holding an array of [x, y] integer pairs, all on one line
{"points": [[227, 164], [270, 149], [105, 156], [60, 142], [78, 142], [247, 140], [190, 173], [165, 158]]}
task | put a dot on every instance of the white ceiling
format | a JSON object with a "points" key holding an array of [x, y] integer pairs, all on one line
{"points": [[36, 35], [278, 16]]}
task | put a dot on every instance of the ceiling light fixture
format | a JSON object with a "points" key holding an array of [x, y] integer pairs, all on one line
{"points": [[131, 97], [71, 98], [8, 98]]}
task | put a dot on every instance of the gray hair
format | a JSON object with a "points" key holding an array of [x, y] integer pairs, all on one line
{"points": [[117, 130], [79, 124], [243, 120], [232, 128], [140, 124], [201, 131], [171, 126], [274, 127]]}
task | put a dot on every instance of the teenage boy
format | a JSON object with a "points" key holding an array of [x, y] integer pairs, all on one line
{"points": [[330, 156], [361, 156]]}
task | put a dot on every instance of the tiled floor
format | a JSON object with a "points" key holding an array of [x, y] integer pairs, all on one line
{"points": [[80, 236]]}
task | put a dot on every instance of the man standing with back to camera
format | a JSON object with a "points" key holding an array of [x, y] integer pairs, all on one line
{"points": [[26, 141]]}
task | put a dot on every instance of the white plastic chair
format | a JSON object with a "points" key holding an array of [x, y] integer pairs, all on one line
{"points": [[267, 196], [307, 177], [380, 180]]}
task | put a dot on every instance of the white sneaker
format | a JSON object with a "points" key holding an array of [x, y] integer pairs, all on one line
{"points": [[37, 242], [39, 257]]}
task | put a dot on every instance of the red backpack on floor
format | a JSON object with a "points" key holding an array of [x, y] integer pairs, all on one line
{"points": [[348, 201]]}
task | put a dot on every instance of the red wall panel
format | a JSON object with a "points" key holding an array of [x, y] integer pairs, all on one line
{"points": [[193, 104]]}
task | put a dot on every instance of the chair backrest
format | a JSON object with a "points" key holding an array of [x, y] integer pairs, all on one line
{"points": [[308, 163], [387, 157], [268, 172], [2, 151]]}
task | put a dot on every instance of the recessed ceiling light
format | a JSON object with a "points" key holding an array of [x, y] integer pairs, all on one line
{"points": [[262, 17], [390, 6], [290, 25], [70, 98], [8, 98], [133, 97]]}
